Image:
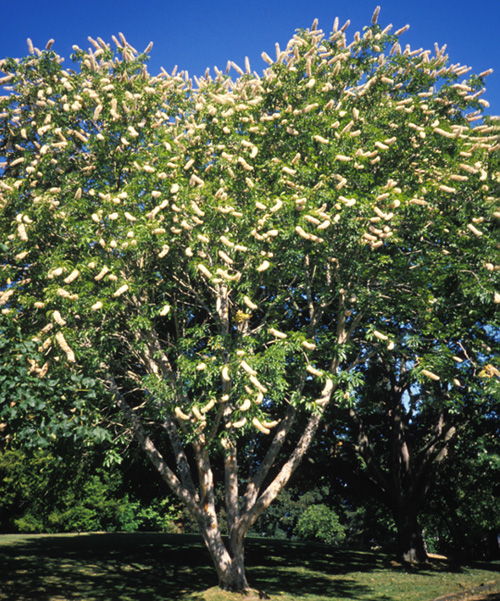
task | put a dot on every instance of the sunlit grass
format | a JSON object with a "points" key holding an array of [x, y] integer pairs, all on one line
{"points": [[150, 567]]}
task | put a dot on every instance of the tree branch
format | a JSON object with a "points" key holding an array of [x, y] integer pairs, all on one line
{"points": [[152, 452]]}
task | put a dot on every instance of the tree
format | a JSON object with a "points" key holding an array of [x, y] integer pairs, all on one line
{"points": [[394, 441], [464, 509], [226, 255], [44, 492]]}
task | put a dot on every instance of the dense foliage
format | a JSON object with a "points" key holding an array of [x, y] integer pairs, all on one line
{"points": [[463, 513], [40, 412], [42, 492], [226, 255]]}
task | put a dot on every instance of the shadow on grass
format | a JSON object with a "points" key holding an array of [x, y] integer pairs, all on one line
{"points": [[150, 567], [305, 569], [104, 567]]}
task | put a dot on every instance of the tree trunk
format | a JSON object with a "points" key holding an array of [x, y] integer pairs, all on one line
{"points": [[235, 577], [200, 501], [229, 562], [411, 544]]}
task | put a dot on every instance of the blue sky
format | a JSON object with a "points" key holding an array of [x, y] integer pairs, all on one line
{"points": [[196, 34]]}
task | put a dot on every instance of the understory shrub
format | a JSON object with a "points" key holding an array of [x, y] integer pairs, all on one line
{"points": [[320, 523]]}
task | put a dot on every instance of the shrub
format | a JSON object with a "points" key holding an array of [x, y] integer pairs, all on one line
{"points": [[320, 523]]}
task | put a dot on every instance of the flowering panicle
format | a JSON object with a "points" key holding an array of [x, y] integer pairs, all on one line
{"points": [[430, 374], [277, 334], [72, 276], [61, 341], [120, 290]]}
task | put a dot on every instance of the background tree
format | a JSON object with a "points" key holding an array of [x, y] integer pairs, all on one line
{"points": [[394, 441], [462, 515], [226, 255]]}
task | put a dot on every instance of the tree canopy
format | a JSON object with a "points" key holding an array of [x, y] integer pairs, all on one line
{"points": [[225, 255]]}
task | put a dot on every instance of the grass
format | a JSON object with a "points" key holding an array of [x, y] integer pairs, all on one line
{"points": [[150, 567]]}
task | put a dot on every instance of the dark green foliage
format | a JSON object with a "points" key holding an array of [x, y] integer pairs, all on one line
{"points": [[280, 521], [368, 525], [42, 492], [463, 514], [303, 514]]}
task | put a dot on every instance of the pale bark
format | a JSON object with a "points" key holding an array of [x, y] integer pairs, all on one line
{"points": [[192, 480], [228, 559], [280, 481], [186, 493]]}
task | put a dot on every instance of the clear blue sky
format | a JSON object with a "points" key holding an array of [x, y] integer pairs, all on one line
{"points": [[196, 34]]}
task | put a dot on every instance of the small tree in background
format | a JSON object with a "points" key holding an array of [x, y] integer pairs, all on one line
{"points": [[225, 255]]}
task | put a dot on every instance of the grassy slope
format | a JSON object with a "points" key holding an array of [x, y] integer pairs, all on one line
{"points": [[150, 567]]}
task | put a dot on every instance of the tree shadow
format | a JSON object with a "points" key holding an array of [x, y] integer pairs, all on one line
{"points": [[310, 569], [100, 567], [151, 566]]}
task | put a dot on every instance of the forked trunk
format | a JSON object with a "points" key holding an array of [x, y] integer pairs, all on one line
{"points": [[234, 577], [228, 559]]}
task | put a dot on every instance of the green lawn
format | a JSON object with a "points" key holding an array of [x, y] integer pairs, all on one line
{"points": [[150, 567]]}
